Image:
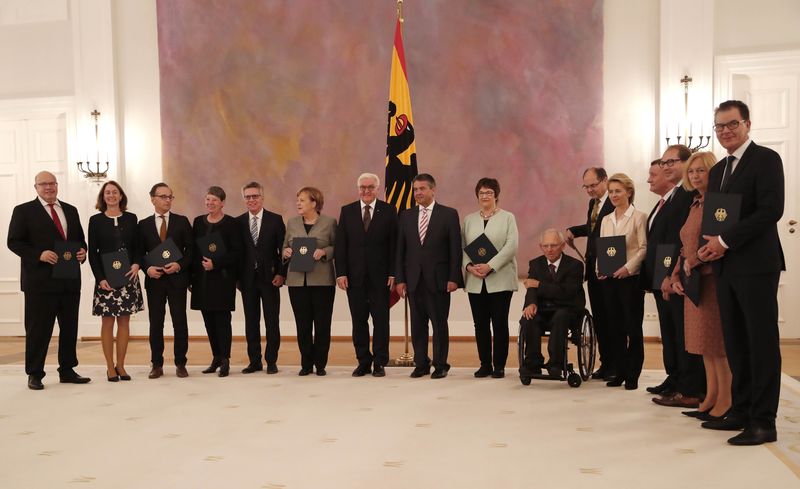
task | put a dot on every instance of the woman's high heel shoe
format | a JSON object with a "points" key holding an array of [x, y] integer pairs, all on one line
{"points": [[121, 376], [215, 364], [113, 378]]}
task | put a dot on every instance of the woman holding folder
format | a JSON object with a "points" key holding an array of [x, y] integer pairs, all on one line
{"points": [[311, 278], [490, 281], [703, 326], [624, 299], [117, 292], [218, 247]]}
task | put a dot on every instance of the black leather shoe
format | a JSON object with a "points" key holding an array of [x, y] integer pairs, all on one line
{"points": [[528, 373], [707, 416], [600, 373], [616, 382], [272, 368], [659, 389], [155, 373], [215, 364], [304, 371], [378, 371], [321, 372], [35, 383], [554, 372], [694, 414], [729, 423], [754, 436], [362, 370], [420, 372], [439, 373], [482, 372], [253, 367], [181, 371], [73, 378], [499, 373], [225, 367], [631, 385]]}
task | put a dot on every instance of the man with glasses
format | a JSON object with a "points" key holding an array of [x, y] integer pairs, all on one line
{"points": [[365, 268], [35, 229], [595, 183], [685, 380], [747, 261], [167, 284], [260, 278]]}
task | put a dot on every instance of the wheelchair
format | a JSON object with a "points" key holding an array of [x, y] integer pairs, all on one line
{"points": [[581, 334]]}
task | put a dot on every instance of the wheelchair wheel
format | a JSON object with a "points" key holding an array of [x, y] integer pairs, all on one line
{"points": [[574, 380], [587, 346]]}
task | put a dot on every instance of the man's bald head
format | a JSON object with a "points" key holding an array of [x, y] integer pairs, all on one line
{"points": [[46, 186]]}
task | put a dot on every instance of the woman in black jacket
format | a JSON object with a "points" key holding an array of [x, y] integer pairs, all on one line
{"points": [[214, 276]]}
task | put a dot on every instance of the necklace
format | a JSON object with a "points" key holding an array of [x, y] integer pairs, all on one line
{"points": [[487, 216]]}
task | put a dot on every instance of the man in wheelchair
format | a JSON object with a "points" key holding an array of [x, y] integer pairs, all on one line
{"points": [[554, 300]]}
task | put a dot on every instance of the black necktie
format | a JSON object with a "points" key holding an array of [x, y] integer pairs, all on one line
{"points": [[552, 271], [367, 218], [728, 169]]}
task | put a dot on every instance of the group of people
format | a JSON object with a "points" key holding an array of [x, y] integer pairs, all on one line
{"points": [[721, 355]]}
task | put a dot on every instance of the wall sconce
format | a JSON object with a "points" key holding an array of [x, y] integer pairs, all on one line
{"points": [[94, 171], [681, 129]]}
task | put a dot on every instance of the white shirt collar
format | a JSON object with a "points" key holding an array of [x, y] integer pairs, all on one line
{"points": [[668, 194], [628, 213], [57, 203], [364, 204], [557, 263], [166, 215], [603, 200], [430, 207], [257, 215], [741, 149]]}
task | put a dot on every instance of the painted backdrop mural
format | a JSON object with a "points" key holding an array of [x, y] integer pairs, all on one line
{"points": [[294, 93]]}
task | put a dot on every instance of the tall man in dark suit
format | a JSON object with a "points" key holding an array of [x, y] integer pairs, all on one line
{"points": [[34, 229], [595, 183], [261, 276], [554, 297], [748, 260], [167, 284], [685, 381], [365, 252], [428, 270]]}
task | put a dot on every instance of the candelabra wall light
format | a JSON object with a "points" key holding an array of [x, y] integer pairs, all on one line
{"points": [[96, 171], [691, 136]]}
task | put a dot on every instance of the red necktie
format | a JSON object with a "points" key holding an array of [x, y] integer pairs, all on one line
{"points": [[552, 271], [56, 220]]}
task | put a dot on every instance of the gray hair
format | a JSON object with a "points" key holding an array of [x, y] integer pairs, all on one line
{"points": [[369, 175], [552, 231]]}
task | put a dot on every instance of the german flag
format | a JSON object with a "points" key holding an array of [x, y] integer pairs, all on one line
{"points": [[401, 149]]}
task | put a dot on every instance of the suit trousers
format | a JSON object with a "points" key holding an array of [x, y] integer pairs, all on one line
{"points": [[749, 312], [687, 374], [491, 308], [558, 323], [218, 328], [624, 302], [434, 306], [313, 309], [41, 312], [255, 297], [157, 299], [365, 302], [600, 321]]}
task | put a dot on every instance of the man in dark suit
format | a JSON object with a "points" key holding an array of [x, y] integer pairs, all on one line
{"points": [[428, 269], [34, 229], [554, 297], [261, 276], [685, 380], [748, 260], [595, 183], [365, 252], [167, 284]]}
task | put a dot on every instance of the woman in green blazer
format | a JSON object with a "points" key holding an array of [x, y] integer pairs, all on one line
{"points": [[312, 293], [490, 285]]}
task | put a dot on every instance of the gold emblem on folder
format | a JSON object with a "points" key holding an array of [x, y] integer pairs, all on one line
{"points": [[667, 261], [611, 251], [67, 256], [303, 250], [481, 251], [165, 254], [721, 214], [212, 247], [116, 265]]}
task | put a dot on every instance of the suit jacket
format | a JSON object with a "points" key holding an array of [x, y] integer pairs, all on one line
{"points": [[438, 260], [324, 230], [582, 230], [502, 232], [215, 289], [32, 231], [179, 229], [665, 229], [104, 237], [261, 261], [634, 227], [566, 290], [754, 246], [366, 258]]}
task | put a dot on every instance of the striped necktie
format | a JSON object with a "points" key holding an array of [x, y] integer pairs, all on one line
{"points": [[423, 224], [254, 229]]}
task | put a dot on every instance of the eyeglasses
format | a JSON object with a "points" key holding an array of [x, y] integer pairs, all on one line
{"points": [[252, 197], [367, 188], [486, 193], [47, 184], [668, 163], [166, 197], [732, 125], [591, 186]]}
